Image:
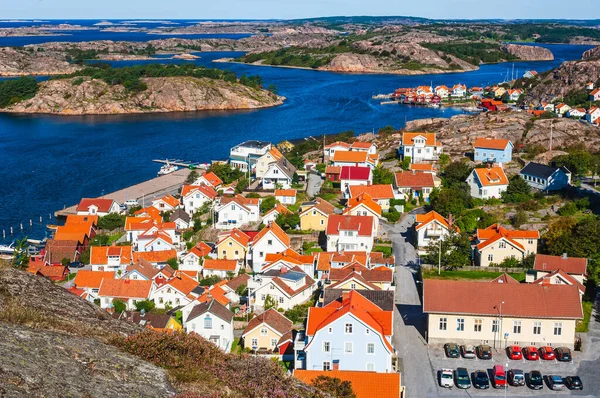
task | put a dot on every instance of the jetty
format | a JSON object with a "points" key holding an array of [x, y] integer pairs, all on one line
{"points": [[143, 192], [183, 163]]}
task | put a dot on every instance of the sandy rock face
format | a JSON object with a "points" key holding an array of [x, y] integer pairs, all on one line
{"points": [[593, 53], [168, 94], [353, 63], [529, 53], [15, 62], [569, 76]]}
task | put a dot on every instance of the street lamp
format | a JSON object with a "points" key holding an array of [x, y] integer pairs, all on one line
{"points": [[440, 256], [501, 324]]}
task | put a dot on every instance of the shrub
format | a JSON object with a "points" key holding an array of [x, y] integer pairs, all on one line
{"points": [[173, 263], [568, 210], [519, 219], [111, 221], [210, 280], [146, 305], [13, 91], [119, 306]]}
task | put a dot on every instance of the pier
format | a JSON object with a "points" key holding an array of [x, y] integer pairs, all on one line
{"points": [[183, 163], [143, 192]]}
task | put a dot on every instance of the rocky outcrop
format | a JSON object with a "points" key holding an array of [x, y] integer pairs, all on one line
{"points": [[165, 94], [528, 53], [569, 76], [355, 63], [590, 54], [20, 62]]}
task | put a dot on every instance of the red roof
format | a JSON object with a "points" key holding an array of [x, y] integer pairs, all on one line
{"points": [[220, 265], [362, 224], [103, 205], [377, 192], [546, 279], [491, 143], [125, 288], [361, 145], [285, 192], [570, 265], [168, 199], [333, 170], [207, 191], [424, 219], [212, 179], [99, 254], [408, 138], [91, 279], [364, 384], [491, 176], [355, 173], [414, 179]]}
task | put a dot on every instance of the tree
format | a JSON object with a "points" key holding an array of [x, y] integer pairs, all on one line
{"points": [[578, 162], [456, 251], [456, 173], [225, 172], [405, 163], [145, 305], [13, 91], [382, 176], [451, 200], [519, 219], [288, 221], [267, 204], [210, 280], [241, 290], [20, 257], [568, 210], [321, 167], [111, 221], [192, 177], [334, 387], [444, 160], [119, 306], [270, 302], [517, 191], [173, 263]]}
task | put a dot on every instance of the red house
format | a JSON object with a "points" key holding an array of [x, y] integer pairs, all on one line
{"points": [[332, 173]]}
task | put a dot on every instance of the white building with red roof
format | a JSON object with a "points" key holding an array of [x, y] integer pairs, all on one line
{"points": [[487, 183], [361, 146], [546, 264], [459, 91], [176, 291], [192, 260], [593, 115], [209, 179], [432, 227], [128, 291], [195, 196], [286, 196], [287, 287], [420, 147], [110, 258], [97, 206], [165, 203], [354, 175], [237, 211], [270, 240], [380, 193], [272, 214], [364, 205], [595, 95], [220, 268], [330, 149], [414, 184], [496, 243], [352, 233]]}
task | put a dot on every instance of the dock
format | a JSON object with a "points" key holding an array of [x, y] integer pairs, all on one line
{"points": [[143, 192], [183, 163]]}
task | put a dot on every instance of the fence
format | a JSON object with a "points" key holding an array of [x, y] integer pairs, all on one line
{"points": [[429, 267]]}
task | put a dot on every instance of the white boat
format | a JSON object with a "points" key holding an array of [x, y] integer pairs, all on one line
{"points": [[434, 105], [167, 168], [7, 249]]}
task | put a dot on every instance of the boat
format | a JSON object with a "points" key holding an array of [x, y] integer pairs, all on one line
{"points": [[434, 105], [472, 109], [37, 242], [52, 227], [7, 249], [167, 168]]}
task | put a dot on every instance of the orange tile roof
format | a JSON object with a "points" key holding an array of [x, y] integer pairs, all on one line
{"points": [[362, 200], [138, 223], [520, 300], [285, 192], [85, 219], [414, 179], [408, 138], [77, 232], [570, 265], [337, 143], [491, 143], [240, 200], [350, 156], [494, 229], [424, 219], [377, 274], [354, 303], [91, 279], [546, 279], [99, 254], [149, 212], [212, 179], [168, 199], [333, 170], [421, 167], [155, 257], [217, 293], [276, 230], [183, 282], [201, 249], [362, 224], [220, 265], [321, 205], [205, 190], [236, 235], [290, 256], [125, 288], [364, 384], [492, 176], [361, 145], [376, 192], [280, 209]]}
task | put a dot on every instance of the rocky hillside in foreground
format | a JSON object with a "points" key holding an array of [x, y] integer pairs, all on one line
{"points": [[54, 345], [593, 53], [86, 96], [459, 132]]}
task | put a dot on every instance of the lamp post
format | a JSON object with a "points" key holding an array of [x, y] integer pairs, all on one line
{"points": [[440, 257], [506, 375], [501, 324]]}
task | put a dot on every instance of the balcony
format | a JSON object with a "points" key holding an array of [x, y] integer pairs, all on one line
{"points": [[300, 341], [434, 232]]}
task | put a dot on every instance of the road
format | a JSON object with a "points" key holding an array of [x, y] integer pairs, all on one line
{"points": [[313, 185]]}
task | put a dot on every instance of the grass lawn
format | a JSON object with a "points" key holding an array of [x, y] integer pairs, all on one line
{"points": [[582, 326], [115, 237], [386, 250], [235, 346], [312, 250], [71, 276], [469, 275]]}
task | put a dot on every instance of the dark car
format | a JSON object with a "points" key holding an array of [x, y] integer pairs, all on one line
{"points": [[481, 379], [574, 383], [555, 382], [484, 352], [461, 378], [467, 351], [536, 380], [451, 350], [516, 377], [76, 264], [563, 354]]}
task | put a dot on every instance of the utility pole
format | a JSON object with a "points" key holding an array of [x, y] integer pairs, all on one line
{"points": [[440, 257]]}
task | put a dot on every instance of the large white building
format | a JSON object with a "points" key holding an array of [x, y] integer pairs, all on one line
{"points": [[246, 154], [349, 233], [213, 321], [487, 183], [420, 147]]}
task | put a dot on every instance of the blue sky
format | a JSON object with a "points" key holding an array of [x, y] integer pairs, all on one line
{"points": [[255, 9]]}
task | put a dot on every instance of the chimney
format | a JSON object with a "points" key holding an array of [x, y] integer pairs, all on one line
{"points": [[283, 269], [564, 256], [114, 244], [489, 166], [345, 296], [450, 220]]}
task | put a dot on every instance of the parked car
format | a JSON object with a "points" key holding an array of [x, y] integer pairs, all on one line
{"points": [[447, 378], [481, 379], [131, 202], [467, 351], [484, 352], [514, 352], [555, 382], [461, 378], [499, 376], [530, 353], [76, 264], [574, 383], [123, 207], [536, 381], [516, 377], [547, 353], [563, 354], [452, 350]]}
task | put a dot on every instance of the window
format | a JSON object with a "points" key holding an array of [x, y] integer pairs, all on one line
{"points": [[353, 286], [537, 327], [263, 331], [263, 297], [443, 323], [370, 348], [460, 325], [490, 257], [270, 242], [370, 367], [502, 245], [322, 222], [367, 331], [494, 326], [237, 253], [477, 325], [326, 346], [326, 365], [517, 327], [530, 241], [330, 330], [348, 328], [254, 343], [273, 342], [280, 300], [348, 347], [160, 300], [230, 244], [557, 328], [208, 323]]}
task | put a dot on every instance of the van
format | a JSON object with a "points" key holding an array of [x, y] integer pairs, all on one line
{"points": [[499, 376]]}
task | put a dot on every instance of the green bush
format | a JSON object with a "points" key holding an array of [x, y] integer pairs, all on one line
{"points": [[111, 221], [568, 210], [119, 306], [210, 280], [13, 91]]}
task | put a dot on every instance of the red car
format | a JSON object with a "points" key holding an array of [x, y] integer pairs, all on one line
{"points": [[530, 353], [514, 352], [547, 353]]}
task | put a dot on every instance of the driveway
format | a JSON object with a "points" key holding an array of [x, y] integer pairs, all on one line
{"points": [[313, 185]]}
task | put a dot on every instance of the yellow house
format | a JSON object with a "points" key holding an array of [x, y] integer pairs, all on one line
{"points": [[263, 162], [496, 244], [232, 245], [265, 330], [358, 277], [314, 215]]}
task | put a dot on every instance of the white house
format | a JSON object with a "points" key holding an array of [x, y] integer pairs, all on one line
{"points": [[245, 155], [442, 91], [364, 205], [576, 113], [154, 242], [214, 322], [285, 287], [99, 207], [177, 291], [271, 239], [361, 146], [290, 260], [487, 183], [595, 95], [330, 149], [349, 233], [354, 158], [272, 214], [90, 281], [279, 174], [219, 267], [561, 109], [236, 211], [286, 196], [110, 258], [546, 106], [195, 196], [432, 227], [514, 94], [166, 203], [589, 86], [127, 290], [210, 179], [420, 147], [593, 114], [459, 91], [192, 260], [263, 162], [354, 175], [181, 219], [530, 74], [382, 194]]}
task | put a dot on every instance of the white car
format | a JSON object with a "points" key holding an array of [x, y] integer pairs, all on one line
{"points": [[131, 202], [447, 378]]}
